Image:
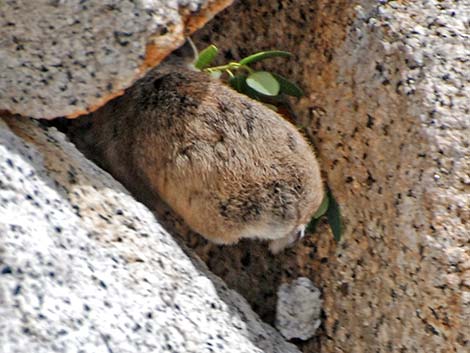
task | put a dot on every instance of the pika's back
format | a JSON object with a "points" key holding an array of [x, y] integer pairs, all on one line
{"points": [[230, 166]]}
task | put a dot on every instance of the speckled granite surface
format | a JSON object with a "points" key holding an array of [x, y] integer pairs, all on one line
{"points": [[387, 106], [62, 58], [86, 268]]}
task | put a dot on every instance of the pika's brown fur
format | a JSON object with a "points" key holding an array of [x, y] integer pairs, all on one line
{"points": [[229, 166]]}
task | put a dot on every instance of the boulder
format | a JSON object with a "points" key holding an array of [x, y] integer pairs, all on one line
{"points": [[298, 309], [66, 58], [387, 108], [86, 268]]}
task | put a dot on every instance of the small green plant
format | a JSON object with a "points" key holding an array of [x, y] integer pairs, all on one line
{"points": [[330, 208], [260, 85], [269, 88]]}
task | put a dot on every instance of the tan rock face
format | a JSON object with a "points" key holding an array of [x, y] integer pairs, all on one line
{"points": [[62, 58], [387, 107]]}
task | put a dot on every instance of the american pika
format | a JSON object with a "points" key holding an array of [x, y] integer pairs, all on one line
{"points": [[229, 166]]}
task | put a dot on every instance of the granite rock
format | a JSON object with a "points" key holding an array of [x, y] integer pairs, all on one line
{"points": [[65, 58], [298, 309], [387, 107], [86, 268]]}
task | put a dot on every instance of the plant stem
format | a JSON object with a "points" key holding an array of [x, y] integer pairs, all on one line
{"points": [[193, 47], [247, 68], [229, 66]]}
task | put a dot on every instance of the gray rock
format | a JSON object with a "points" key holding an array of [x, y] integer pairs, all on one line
{"points": [[387, 106], [69, 57], [298, 309], [86, 268]]}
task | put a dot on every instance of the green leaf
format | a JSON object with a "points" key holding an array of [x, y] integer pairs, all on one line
{"points": [[270, 106], [263, 82], [334, 217], [288, 87], [312, 225], [264, 55], [206, 56], [250, 92], [323, 207], [238, 82]]}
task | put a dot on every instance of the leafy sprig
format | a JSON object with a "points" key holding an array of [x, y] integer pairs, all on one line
{"points": [[260, 85], [269, 88], [330, 208]]}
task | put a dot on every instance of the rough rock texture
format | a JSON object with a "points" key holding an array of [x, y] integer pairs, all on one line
{"points": [[298, 309], [387, 107], [85, 268], [68, 57]]}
